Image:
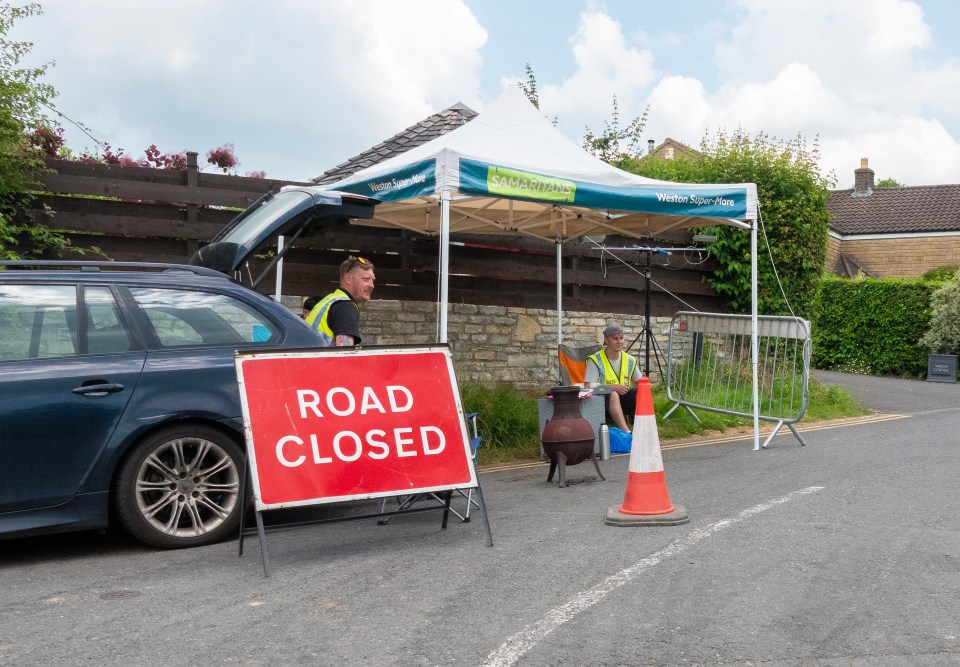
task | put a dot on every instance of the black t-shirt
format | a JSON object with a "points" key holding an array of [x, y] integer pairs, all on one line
{"points": [[344, 319]]}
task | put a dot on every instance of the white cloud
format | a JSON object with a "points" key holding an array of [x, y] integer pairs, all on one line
{"points": [[896, 28], [181, 59], [850, 74], [870, 52], [605, 65], [679, 109], [300, 83], [795, 100], [914, 151], [856, 42], [854, 73], [936, 88]]}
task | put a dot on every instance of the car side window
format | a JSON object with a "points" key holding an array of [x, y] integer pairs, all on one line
{"points": [[105, 331], [182, 318], [37, 321]]}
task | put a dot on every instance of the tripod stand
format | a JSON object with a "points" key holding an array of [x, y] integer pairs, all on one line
{"points": [[646, 334]]}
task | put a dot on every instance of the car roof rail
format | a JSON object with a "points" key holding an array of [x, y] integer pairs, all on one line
{"points": [[98, 265]]}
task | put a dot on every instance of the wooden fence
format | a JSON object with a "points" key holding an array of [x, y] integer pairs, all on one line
{"points": [[161, 215]]}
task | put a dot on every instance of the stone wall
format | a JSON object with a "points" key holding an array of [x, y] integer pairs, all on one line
{"points": [[901, 257], [496, 344], [834, 246]]}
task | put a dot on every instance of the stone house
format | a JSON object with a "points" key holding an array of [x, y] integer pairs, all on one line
{"points": [[670, 149], [892, 232]]}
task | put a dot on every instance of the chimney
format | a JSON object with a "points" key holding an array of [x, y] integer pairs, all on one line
{"points": [[863, 180], [650, 146]]}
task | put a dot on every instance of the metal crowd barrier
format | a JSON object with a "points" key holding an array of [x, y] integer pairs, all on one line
{"points": [[709, 366]]}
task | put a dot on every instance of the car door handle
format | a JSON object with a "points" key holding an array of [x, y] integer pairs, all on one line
{"points": [[99, 389]]}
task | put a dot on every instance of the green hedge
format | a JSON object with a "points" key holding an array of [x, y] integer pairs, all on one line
{"points": [[872, 326]]}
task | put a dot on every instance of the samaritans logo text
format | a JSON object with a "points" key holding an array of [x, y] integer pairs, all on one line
{"points": [[511, 183]]}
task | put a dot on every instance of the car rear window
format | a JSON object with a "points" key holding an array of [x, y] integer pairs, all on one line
{"points": [[105, 332], [182, 318]]}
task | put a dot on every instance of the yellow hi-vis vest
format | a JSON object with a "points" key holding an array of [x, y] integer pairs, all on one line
{"points": [[609, 376], [317, 319]]}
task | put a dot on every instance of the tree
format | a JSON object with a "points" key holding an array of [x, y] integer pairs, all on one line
{"points": [[24, 99], [530, 87], [793, 198], [607, 146], [888, 183], [793, 209], [943, 336]]}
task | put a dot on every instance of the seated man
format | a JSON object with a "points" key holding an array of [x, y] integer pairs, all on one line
{"points": [[620, 371]]}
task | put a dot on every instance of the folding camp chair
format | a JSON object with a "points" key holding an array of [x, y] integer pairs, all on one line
{"points": [[573, 362], [406, 501], [475, 441]]}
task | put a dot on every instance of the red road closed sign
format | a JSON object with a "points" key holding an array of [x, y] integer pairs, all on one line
{"points": [[344, 424]]}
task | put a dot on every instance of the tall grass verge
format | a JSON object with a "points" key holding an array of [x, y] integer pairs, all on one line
{"points": [[509, 422]]}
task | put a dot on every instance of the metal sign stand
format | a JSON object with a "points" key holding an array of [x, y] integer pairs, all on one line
{"points": [[281, 394], [383, 516], [264, 553]]}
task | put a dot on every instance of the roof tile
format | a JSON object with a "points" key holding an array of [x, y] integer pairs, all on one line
{"points": [[923, 208], [426, 130]]}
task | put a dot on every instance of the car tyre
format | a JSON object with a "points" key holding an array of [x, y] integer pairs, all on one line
{"points": [[180, 487]]}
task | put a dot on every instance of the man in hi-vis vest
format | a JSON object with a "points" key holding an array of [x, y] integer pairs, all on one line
{"points": [[336, 318], [620, 371]]}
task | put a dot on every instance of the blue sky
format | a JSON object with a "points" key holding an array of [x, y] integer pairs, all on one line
{"points": [[298, 86]]}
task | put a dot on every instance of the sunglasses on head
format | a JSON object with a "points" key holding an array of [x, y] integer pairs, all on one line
{"points": [[355, 262]]}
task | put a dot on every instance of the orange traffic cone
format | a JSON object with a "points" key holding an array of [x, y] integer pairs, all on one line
{"points": [[646, 501]]}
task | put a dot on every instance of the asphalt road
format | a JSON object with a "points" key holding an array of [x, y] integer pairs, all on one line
{"points": [[843, 552], [891, 395]]}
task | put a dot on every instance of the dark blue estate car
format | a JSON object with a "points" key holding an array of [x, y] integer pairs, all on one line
{"points": [[118, 391]]}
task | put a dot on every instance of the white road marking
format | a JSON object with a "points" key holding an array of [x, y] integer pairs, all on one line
{"points": [[513, 649]]}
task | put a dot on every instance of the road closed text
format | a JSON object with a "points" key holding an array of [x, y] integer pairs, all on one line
{"points": [[350, 444], [344, 424]]}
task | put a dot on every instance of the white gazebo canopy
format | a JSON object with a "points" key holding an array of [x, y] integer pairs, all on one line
{"points": [[509, 171]]}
